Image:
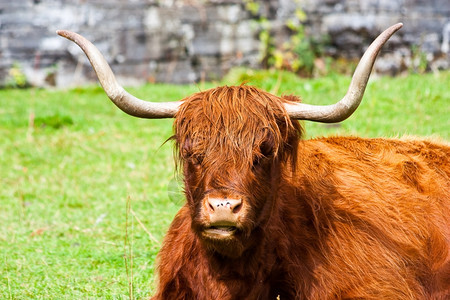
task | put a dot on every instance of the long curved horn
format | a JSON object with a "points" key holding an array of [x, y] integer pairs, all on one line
{"points": [[125, 101], [344, 108]]}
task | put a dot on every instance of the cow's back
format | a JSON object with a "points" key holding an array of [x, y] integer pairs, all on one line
{"points": [[385, 216]]}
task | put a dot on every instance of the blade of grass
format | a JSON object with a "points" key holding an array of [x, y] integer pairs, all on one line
{"points": [[128, 250], [145, 229]]}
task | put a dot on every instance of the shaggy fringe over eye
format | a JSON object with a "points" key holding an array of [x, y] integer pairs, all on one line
{"points": [[230, 124]]}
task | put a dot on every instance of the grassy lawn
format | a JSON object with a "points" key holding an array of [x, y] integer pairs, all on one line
{"points": [[70, 161]]}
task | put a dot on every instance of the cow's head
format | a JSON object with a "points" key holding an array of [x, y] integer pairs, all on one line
{"points": [[232, 142]]}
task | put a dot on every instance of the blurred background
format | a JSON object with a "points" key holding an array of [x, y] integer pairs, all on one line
{"points": [[186, 41]]}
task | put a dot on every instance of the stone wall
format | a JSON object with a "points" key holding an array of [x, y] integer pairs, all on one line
{"points": [[189, 40], [352, 23]]}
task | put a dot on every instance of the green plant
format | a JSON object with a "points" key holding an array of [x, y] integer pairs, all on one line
{"points": [[419, 62], [298, 54], [267, 44], [16, 77], [55, 121]]}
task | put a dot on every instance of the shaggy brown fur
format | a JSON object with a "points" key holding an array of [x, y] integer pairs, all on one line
{"points": [[329, 218]]}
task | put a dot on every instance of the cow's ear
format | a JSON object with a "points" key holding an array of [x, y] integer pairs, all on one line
{"points": [[186, 147]]}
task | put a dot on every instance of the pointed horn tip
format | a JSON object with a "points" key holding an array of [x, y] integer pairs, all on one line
{"points": [[398, 26], [394, 28], [62, 33], [66, 34]]}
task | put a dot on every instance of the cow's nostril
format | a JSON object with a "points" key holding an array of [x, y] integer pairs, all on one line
{"points": [[211, 206], [237, 208]]}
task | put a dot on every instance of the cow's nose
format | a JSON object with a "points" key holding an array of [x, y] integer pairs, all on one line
{"points": [[217, 205]]}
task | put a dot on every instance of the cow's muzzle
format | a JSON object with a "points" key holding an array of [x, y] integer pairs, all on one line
{"points": [[223, 216]]}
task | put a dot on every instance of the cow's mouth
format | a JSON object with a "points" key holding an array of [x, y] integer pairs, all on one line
{"points": [[219, 231]]}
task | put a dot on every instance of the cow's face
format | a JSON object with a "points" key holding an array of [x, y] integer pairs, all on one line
{"points": [[232, 142]]}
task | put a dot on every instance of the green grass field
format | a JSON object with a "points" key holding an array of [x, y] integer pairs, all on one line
{"points": [[70, 161]]}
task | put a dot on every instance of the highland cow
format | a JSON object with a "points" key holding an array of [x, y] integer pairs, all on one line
{"points": [[271, 216]]}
